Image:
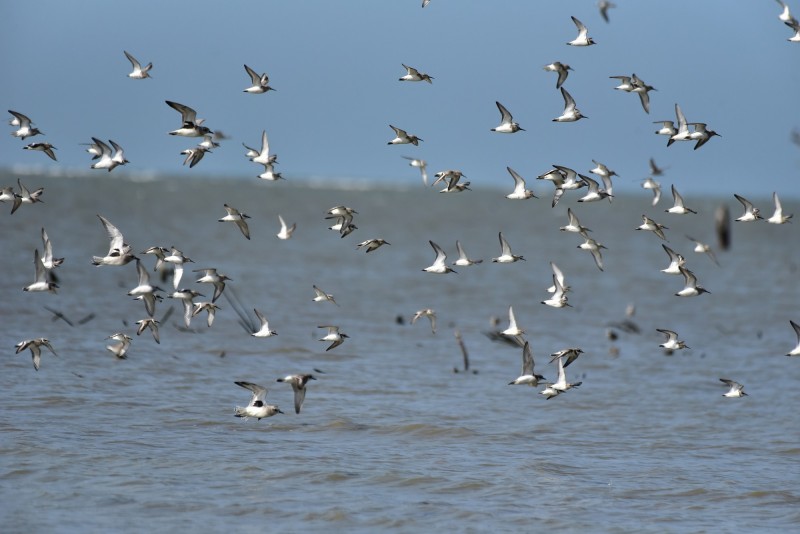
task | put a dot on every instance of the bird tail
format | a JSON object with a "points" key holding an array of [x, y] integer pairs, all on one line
{"points": [[240, 412]]}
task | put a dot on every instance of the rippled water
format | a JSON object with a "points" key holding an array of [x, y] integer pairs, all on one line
{"points": [[390, 437]]}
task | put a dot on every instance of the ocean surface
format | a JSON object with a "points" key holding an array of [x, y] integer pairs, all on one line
{"points": [[390, 438]]}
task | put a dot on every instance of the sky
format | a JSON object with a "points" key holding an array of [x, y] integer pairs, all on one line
{"points": [[335, 67]]}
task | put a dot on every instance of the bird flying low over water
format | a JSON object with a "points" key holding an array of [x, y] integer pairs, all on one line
{"points": [[34, 345], [257, 407], [235, 216], [438, 266]]}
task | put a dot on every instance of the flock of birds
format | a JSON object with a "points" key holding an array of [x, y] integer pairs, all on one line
{"points": [[111, 155]]}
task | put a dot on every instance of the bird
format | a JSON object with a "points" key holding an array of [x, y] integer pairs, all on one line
{"points": [[24, 126], [413, 75], [604, 6], [372, 244], [463, 260], [421, 164], [778, 217], [236, 217], [561, 281], [321, 296], [438, 266], [269, 173], [209, 307], [682, 133], [191, 126], [690, 289], [402, 137], [120, 349], [507, 124], [672, 342], [562, 69], [643, 90], [119, 252], [701, 134], [257, 407], [571, 112], [138, 72], [602, 170], [40, 281], [668, 129], [519, 193], [594, 247], [796, 350], [144, 289], [736, 389], [178, 259], [583, 38], [211, 276], [34, 345], [298, 383], [559, 297], [334, 336], [571, 354], [593, 193], [208, 143], [186, 296], [513, 331], [574, 224], [194, 155], [426, 312], [561, 385], [48, 260], [286, 231], [650, 183], [655, 170], [676, 261], [652, 226], [160, 253], [704, 248], [152, 324], [528, 377], [506, 256], [260, 82], [26, 197], [47, 148], [750, 213], [107, 159], [263, 329], [261, 156], [678, 206]]}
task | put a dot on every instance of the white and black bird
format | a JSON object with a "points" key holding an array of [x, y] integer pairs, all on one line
{"points": [[263, 326], [690, 289], [413, 75], [528, 377], [777, 216], [47, 148], [439, 265], [571, 113], [259, 82], [507, 124], [506, 256], [751, 213], [257, 407], [334, 336], [519, 192], [672, 342], [796, 350], [191, 126], [40, 281], [583, 38], [238, 218], [736, 389], [139, 72], [119, 252], [463, 260], [402, 137], [24, 126]]}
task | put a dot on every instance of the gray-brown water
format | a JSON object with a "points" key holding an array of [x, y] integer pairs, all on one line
{"points": [[390, 438]]}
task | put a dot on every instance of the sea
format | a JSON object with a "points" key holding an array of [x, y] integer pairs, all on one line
{"points": [[396, 433]]}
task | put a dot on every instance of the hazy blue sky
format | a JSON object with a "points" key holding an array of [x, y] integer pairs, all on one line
{"points": [[336, 65]]}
